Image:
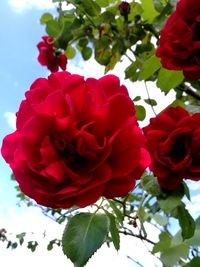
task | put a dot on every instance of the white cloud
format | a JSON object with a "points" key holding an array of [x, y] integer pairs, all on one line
{"points": [[193, 185], [11, 119], [22, 5]]}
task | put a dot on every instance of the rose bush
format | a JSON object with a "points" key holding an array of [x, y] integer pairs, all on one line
{"points": [[75, 141], [179, 47], [50, 56], [174, 144]]}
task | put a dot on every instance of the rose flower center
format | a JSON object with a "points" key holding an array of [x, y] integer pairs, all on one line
{"points": [[179, 150]]}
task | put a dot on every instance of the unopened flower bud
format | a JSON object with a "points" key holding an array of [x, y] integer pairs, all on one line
{"points": [[124, 8]]}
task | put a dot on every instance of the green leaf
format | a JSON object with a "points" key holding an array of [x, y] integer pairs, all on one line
{"points": [[116, 210], [150, 185], [186, 190], [149, 12], [91, 7], [137, 98], [195, 240], [151, 102], [14, 245], [149, 67], [102, 3], [158, 4], [83, 42], [21, 237], [52, 28], [168, 79], [114, 231], [140, 112], [177, 239], [70, 52], [83, 235], [112, 62], [131, 72], [160, 219], [170, 203], [102, 51], [52, 243], [107, 17], [32, 245], [163, 244], [45, 18], [186, 222], [86, 53], [195, 262], [171, 256]]}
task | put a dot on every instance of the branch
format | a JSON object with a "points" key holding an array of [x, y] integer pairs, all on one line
{"points": [[135, 261], [188, 90], [137, 236]]}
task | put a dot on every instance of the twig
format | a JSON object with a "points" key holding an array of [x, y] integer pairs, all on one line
{"points": [[149, 98], [135, 261], [141, 237], [188, 90]]}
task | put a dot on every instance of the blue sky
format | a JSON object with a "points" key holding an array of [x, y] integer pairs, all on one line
{"points": [[20, 32]]}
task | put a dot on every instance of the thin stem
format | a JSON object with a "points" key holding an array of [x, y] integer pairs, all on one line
{"points": [[148, 95], [130, 48], [135, 261], [141, 237], [138, 216], [132, 61]]}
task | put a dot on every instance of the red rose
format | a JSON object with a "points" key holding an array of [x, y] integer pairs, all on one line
{"points": [[75, 141], [50, 56], [174, 144], [179, 47]]}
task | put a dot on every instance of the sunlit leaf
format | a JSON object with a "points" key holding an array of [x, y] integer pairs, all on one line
{"points": [[140, 112], [171, 256], [168, 79], [149, 67], [45, 18], [70, 52], [163, 243]]}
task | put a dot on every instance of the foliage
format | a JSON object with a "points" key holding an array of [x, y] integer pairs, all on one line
{"points": [[98, 29]]}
